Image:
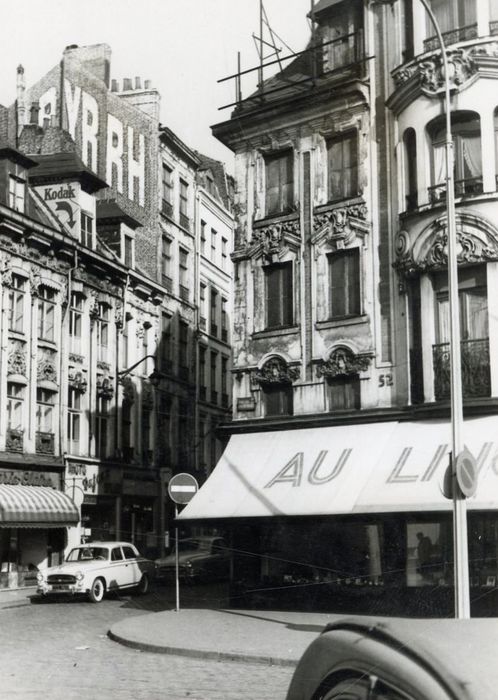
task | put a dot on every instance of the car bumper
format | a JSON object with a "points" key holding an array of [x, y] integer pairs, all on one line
{"points": [[60, 589]]}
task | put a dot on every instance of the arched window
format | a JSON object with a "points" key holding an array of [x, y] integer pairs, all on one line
{"points": [[466, 132], [411, 194]]}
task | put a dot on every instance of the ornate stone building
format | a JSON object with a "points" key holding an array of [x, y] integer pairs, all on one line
{"points": [[340, 439]]}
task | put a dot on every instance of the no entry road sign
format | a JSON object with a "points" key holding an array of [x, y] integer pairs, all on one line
{"points": [[182, 488]]}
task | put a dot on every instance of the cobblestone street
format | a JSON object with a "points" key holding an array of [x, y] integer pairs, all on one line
{"points": [[60, 649]]}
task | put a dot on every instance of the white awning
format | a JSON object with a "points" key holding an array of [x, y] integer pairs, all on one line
{"points": [[374, 467]]}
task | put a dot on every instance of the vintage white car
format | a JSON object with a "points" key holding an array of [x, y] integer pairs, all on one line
{"points": [[96, 568]]}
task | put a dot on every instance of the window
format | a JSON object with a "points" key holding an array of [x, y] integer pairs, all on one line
{"points": [[278, 399], [166, 264], [73, 420], [46, 313], [75, 321], [343, 393], [466, 130], [86, 230], [102, 330], [279, 293], [203, 238], [214, 312], [343, 38], [128, 250], [202, 373], [202, 304], [16, 303], [411, 194], [116, 554], [224, 320], [183, 349], [452, 14], [214, 376], [224, 253], [342, 161], [279, 175], [129, 553], [15, 403], [344, 276], [184, 219], [167, 190], [183, 270], [124, 343], [224, 381], [213, 244], [101, 426], [45, 400], [165, 342], [473, 302], [17, 189]]}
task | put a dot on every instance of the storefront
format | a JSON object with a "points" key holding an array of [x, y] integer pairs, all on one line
{"points": [[34, 516], [352, 518], [140, 515]]}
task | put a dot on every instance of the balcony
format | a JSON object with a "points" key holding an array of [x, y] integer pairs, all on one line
{"points": [[184, 221], [452, 37], [45, 443], [463, 188], [476, 378]]}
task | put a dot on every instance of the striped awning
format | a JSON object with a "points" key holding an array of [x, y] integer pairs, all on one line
{"points": [[36, 506]]}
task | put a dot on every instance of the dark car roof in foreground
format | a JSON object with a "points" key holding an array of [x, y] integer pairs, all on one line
{"points": [[463, 653]]}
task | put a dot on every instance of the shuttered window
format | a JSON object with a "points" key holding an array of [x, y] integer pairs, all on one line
{"points": [[279, 304], [344, 271], [279, 183], [342, 157]]}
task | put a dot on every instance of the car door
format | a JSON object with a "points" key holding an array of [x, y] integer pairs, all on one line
{"points": [[132, 570], [117, 576]]}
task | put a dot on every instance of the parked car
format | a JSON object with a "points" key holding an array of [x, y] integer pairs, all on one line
{"points": [[96, 568], [199, 559], [400, 659]]}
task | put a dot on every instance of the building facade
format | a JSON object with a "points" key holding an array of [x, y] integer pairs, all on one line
{"points": [[339, 444]]}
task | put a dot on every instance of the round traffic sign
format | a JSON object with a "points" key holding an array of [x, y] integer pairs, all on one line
{"points": [[466, 472], [182, 488]]}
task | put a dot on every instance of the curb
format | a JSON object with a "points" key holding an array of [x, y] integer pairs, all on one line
{"points": [[200, 653]]}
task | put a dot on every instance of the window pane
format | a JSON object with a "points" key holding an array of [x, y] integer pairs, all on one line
{"points": [[279, 186], [344, 268]]}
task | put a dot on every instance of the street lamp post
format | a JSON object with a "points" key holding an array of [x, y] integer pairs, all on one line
{"points": [[460, 538]]}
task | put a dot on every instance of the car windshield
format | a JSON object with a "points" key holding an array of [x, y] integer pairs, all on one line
{"points": [[88, 553]]}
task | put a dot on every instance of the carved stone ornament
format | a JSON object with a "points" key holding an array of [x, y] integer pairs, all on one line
{"points": [[46, 371], [341, 224], [128, 390], [276, 371], [17, 361], [105, 388], [77, 380], [118, 314], [35, 280], [477, 242], [78, 359], [6, 272], [430, 74], [273, 237], [342, 362], [94, 304]]}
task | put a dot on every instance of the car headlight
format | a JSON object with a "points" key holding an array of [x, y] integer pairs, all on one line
{"points": [[188, 564], [80, 576], [39, 577]]}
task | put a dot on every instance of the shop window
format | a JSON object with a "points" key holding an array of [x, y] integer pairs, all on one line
{"points": [[466, 130], [15, 406], [101, 426], [166, 274], [16, 304], [102, 331], [342, 164], [278, 400], [46, 313], [344, 281], [429, 548], [279, 295], [411, 194], [17, 193], [86, 230], [76, 321], [45, 401], [74, 421], [279, 178], [343, 393]]}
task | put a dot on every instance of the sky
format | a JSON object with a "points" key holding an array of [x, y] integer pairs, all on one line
{"points": [[182, 46]]}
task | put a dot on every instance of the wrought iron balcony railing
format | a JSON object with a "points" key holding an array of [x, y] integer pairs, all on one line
{"points": [[452, 37], [476, 378], [463, 188]]}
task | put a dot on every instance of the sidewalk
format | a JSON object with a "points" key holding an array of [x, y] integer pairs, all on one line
{"points": [[266, 637]]}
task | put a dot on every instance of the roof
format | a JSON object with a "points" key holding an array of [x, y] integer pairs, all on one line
{"points": [[324, 5], [7, 151], [63, 166], [218, 171], [109, 210], [169, 137]]}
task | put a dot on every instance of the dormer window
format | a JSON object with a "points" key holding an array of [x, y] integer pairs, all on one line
{"points": [[17, 193], [342, 36]]}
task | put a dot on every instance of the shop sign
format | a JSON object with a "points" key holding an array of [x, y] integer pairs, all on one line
{"points": [[21, 478], [62, 200], [87, 477]]}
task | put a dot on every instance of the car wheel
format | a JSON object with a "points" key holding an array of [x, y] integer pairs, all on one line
{"points": [[97, 590], [353, 688], [144, 585]]}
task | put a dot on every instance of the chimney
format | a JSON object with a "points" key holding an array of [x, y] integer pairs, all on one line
{"points": [[138, 84], [21, 107], [147, 84], [34, 112], [114, 86], [127, 84], [96, 59]]}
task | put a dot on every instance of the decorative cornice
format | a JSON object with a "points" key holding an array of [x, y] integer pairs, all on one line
{"points": [[78, 359], [77, 380], [342, 362], [429, 73], [340, 225], [272, 238], [275, 371]]}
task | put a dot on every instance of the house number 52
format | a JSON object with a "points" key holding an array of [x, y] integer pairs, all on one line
{"points": [[386, 380]]}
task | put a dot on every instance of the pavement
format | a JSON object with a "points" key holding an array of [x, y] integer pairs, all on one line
{"points": [[264, 637]]}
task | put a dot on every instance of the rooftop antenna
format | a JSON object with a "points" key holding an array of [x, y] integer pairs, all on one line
{"points": [[261, 43]]}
